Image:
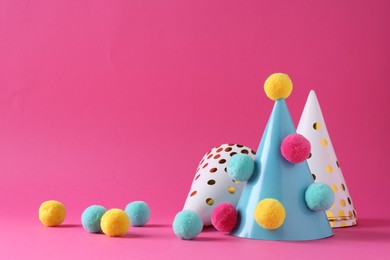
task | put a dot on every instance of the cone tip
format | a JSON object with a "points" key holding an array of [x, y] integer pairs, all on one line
{"points": [[312, 94]]}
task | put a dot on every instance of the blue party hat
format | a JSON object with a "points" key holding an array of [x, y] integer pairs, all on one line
{"points": [[277, 179]]}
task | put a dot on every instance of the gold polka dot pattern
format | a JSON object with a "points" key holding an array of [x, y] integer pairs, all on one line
{"points": [[324, 164], [231, 190], [211, 182], [212, 185], [329, 169], [222, 161], [209, 201]]}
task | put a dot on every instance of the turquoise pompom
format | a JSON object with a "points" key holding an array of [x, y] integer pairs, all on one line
{"points": [[240, 167], [319, 196], [138, 212], [90, 219], [187, 224]]}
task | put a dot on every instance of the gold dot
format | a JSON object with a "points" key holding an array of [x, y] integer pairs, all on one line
{"points": [[329, 214], [213, 169], [334, 187], [193, 193], [343, 224], [222, 161], [210, 201], [197, 177], [231, 190], [324, 142], [217, 156], [219, 150], [332, 206], [244, 151], [337, 163], [317, 126], [233, 153], [205, 165], [230, 144], [329, 169], [253, 152], [331, 223], [211, 155], [236, 182], [228, 149], [342, 187], [349, 201], [211, 182], [314, 176], [309, 156], [342, 203], [239, 146], [353, 223], [341, 213], [350, 214]]}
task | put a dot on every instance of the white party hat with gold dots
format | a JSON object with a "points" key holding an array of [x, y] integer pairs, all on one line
{"points": [[323, 163], [212, 185]]}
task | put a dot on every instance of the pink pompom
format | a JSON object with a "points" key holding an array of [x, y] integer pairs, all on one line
{"points": [[224, 217], [295, 148]]}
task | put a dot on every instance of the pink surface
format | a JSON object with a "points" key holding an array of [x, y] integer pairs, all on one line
{"points": [[369, 240], [106, 102]]}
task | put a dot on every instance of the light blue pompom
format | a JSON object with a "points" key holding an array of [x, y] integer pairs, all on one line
{"points": [[187, 224], [138, 212], [319, 196], [90, 219], [240, 167]]}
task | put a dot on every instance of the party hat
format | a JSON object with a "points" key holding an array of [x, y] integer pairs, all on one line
{"points": [[273, 205], [324, 165], [212, 185]]}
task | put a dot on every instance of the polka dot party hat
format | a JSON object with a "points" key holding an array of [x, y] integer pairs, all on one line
{"points": [[324, 165], [273, 205], [212, 185]]}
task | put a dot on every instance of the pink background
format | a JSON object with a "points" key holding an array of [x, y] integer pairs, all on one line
{"points": [[106, 102]]}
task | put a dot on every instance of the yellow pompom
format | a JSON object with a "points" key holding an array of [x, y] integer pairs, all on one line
{"points": [[52, 213], [115, 223], [270, 214], [278, 86]]}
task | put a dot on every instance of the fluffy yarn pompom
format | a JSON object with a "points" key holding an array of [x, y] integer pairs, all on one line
{"points": [[138, 212], [319, 196], [240, 167], [91, 217], [278, 86], [52, 213], [270, 214], [115, 223], [187, 224], [224, 217], [295, 148]]}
